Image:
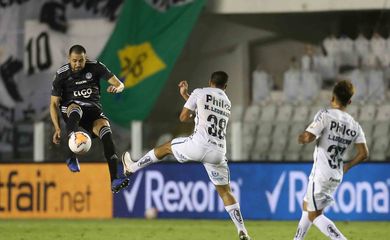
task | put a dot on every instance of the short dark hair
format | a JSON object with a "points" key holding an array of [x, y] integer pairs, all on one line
{"points": [[78, 49], [219, 79], [343, 91]]}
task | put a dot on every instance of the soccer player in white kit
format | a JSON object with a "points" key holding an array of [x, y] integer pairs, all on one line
{"points": [[334, 131], [210, 108]]}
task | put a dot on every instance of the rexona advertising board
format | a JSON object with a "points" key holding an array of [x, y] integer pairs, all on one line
{"points": [[52, 191], [265, 191]]}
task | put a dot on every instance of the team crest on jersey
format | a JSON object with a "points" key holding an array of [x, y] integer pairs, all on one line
{"points": [[88, 75]]}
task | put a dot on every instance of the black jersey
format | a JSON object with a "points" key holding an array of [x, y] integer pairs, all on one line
{"points": [[82, 86]]}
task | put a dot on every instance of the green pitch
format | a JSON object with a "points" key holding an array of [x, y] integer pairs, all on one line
{"points": [[137, 229]]}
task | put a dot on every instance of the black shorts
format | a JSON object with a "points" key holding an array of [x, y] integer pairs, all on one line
{"points": [[90, 114]]}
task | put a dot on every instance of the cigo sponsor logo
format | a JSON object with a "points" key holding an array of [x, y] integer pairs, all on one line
{"points": [[176, 196], [358, 197], [86, 93]]}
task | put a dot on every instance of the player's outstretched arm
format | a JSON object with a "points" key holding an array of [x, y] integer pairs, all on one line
{"points": [[306, 137], [116, 86], [186, 115], [183, 88], [362, 154], [54, 106]]}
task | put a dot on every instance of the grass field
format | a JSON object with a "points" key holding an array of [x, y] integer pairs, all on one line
{"points": [[125, 229]]}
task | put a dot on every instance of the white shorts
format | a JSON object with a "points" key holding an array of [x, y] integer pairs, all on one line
{"points": [[319, 194], [185, 149]]}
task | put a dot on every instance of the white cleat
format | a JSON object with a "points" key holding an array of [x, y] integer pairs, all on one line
{"points": [[243, 236], [127, 162]]}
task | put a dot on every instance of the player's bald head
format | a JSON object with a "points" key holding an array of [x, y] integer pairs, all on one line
{"points": [[78, 49], [77, 57]]}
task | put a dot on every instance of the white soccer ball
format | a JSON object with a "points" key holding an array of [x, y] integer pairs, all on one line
{"points": [[79, 142], [151, 213]]}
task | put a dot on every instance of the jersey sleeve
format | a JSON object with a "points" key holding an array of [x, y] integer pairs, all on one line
{"points": [[360, 138], [104, 72], [56, 89], [191, 102], [318, 124]]}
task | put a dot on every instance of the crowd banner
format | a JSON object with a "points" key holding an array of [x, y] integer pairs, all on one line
{"points": [[142, 50]]}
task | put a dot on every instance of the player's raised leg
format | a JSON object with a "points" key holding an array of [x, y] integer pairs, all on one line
{"points": [[74, 114], [153, 156], [101, 128]]}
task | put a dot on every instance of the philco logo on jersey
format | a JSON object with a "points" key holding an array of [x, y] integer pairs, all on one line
{"points": [[86, 93], [217, 102], [342, 128]]}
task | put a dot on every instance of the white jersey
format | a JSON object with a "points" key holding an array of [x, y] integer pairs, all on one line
{"points": [[335, 130], [212, 108]]}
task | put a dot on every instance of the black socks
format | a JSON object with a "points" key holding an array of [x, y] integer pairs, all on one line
{"points": [[109, 151]]}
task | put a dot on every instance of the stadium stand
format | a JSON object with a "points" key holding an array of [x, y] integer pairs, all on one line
{"points": [[271, 131]]}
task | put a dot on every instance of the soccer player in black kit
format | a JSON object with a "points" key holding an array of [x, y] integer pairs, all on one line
{"points": [[76, 91]]}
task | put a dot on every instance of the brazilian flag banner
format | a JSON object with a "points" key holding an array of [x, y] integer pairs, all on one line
{"points": [[147, 39]]}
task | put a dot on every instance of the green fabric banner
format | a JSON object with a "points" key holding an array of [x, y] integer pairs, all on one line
{"points": [[147, 39]]}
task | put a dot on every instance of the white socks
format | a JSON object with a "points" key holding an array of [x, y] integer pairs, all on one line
{"points": [[235, 215], [303, 226], [327, 227], [145, 161]]}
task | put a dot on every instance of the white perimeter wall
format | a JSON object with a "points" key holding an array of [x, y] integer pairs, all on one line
{"points": [[281, 6]]}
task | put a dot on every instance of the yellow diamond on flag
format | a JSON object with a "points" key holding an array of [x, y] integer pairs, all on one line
{"points": [[138, 62]]}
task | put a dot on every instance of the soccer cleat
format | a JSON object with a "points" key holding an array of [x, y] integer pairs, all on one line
{"points": [[127, 162], [73, 164], [243, 236], [119, 184]]}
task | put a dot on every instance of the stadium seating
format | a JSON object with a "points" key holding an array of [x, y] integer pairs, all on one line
{"points": [[379, 149], [271, 132]]}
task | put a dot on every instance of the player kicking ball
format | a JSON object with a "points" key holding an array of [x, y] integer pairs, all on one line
{"points": [[76, 91], [334, 131], [206, 145]]}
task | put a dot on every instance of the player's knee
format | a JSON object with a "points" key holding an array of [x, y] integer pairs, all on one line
{"points": [[163, 150], [99, 124], [103, 131], [314, 215], [74, 108], [168, 148], [223, 190]]}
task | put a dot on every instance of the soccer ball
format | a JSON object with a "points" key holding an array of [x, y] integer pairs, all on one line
{"points": [[79, 142], [151, 213]]}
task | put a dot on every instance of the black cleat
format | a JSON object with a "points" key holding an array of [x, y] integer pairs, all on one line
{"points": [[119, 184]]}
